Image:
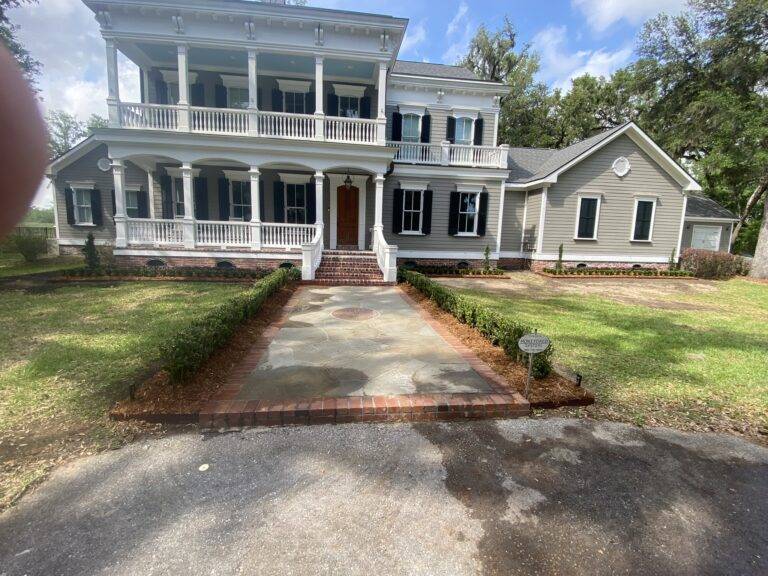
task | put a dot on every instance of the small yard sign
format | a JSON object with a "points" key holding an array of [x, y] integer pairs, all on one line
{"points": [[532, 344]]}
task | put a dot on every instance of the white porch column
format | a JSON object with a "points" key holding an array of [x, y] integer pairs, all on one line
{"points": [[319, 114], [378, 223], [113, 87], [319, 210], [381, 118], [255, 208], [253, 91], [542, 218], [183, 64], [189, 206], [151, 193], [121, 231]]}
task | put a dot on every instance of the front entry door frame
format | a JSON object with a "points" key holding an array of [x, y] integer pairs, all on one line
{"points": [[359, 181]]}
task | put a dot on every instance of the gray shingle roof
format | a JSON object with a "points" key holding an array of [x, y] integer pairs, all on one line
{"points": [[434, 70], [702, 207], [529, 164]]}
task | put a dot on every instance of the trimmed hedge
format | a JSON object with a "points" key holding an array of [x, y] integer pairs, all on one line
{"points": [[447, 270], [717, 265], [497, 328], [185, 351], [615, 272], [167, 272]]}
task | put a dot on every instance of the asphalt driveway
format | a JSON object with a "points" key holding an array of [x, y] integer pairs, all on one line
{"points": [[506, 497]]}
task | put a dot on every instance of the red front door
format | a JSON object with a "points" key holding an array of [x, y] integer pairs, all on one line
{"points": [[346, 222]]}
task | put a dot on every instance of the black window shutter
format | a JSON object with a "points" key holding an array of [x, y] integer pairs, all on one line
{"points": [[161, 92], [426, 128], [165, 196], [262, 215], [333, 105], [197, 94], [426, 215], [482, 216], [279, 201], [96, 207], [259, 99], [311, 203], [453, 214], [143, 203], [223, 199], [450, 131], [309, 102], [114, 202], [201, 198], [397, 126], [397, 211], [277, 100], [365, 107], [69, 202], [247, 209], [220, 96], [478, 132], [141, 86]]}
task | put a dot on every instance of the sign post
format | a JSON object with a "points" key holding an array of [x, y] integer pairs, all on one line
{"points": [[532, 344]]}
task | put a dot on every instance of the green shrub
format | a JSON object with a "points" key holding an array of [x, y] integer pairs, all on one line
{"points": [[168, 272], [185, 351], [31, 247], [615, 272], [708, 264], [92, 259], [487, 259], [499, 329], [452, 270], [559, 264]]}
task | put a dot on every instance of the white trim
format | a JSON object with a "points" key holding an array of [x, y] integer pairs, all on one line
{"points": [[230, 188], [682, 226], [239, 175], [619, 171], [349, 90], [638, 137], [500, 217], [212, 254], [334, 215], [172, 76], [471, 130], [599, 198], [287, 178], [88, 193], [359, 181], [418, 232], [448, 255], [412, 109], [639, 199], [177, 172], [470, 188], [542, 214], [296, 86], [618, 258], [707, 219], [418, 130], [471, 113], [476, 213], [361, 193], [419, 185], [82, 184], [710, 226], [730, 237], [234, 81], [81, 242]]}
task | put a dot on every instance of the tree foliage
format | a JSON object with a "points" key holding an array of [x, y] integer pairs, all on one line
{"points": [[65, 130], [29, 66]]}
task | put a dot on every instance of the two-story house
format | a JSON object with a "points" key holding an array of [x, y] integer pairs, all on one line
{"points": [[268, 133]]}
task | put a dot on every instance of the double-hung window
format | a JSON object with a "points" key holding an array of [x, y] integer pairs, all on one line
{"points": [[178, 198], [237, 97], [132, 203], [411, 128], [642, 228], [83, 209], [349, 106], [294, 102], [240, 200], [413, 205], [468, 208], [296, 203], [464, 130], [587, 218]]}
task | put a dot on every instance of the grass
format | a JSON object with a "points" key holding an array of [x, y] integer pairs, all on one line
{"points": [[68, 353], [12, 264], [701, 362]]}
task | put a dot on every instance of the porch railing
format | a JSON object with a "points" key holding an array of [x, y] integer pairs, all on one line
{"points": [[447, 154], [277, 235], [156, 232], [223, 233], [219, 120], [417, 153], [386, 255], [355, 130], [149, 116], [311, 255], [285, 125]]}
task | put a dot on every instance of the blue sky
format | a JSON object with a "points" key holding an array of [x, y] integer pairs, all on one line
{"points": [[571, 37]]}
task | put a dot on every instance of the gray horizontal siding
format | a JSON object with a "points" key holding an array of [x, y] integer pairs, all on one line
{"points": [[532, 215], [512, 221], [439, 240], [595, 176]]}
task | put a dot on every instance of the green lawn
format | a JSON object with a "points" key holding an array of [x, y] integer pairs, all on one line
{"points": [[12, 264], [695, 360], [68, 352]]}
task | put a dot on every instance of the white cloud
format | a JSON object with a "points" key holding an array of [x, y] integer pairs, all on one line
{"points": [[559, 67], [414, 36], [453, 25], [601, 14], [458, 49]]}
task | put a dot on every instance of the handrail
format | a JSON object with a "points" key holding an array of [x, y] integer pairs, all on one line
{"points": [[386, 255], [311, 255]]}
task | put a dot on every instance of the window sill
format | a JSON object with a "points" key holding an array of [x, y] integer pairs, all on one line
{"points": [[85, 224], [411, 234], [468, 235], [641, 241], [584, 239]]}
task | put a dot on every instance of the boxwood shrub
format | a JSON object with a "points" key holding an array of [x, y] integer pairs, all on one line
{"points": [[452, 270], [185, 351], [499, 329], [717, 265], [615, 272], [167, 272]]}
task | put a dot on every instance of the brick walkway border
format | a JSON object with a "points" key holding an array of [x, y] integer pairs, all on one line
{"points": [[226, 411]]}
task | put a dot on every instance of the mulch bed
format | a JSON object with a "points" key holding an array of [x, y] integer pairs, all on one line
{"points": [[158, 400], [612, 276], [80, 279], [550, 392]]}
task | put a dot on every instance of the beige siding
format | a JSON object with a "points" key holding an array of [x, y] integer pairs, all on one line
{"points": [[533, 212], [512, 224], [439, 239], [595, 176], [85, 169], [725, 234]]}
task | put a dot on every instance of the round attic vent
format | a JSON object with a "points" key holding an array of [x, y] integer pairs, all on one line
{"points": [[621, 166], [104, 164]]}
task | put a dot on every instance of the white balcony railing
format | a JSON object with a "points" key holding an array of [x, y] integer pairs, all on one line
{"points": [[223, 233], [219, 120], [156, 232], [149, 116], [448, 154], [353, 130], [286, 125], [277, 235]]}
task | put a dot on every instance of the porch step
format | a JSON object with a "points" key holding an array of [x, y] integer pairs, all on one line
{"points": [[351, 267]]}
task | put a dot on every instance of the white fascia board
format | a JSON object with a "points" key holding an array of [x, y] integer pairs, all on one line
{"points": [[479, 86], [710, 219], [638, 137]]}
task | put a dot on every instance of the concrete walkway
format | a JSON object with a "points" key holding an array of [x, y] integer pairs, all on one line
{"points": [[505, 497], [357, 341]]}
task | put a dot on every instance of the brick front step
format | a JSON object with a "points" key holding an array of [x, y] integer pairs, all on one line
{"points": [[348, 282], [410, 408], [349, 267]]}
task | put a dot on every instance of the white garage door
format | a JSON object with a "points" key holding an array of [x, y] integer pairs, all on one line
{"points": [[706, 237]]}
